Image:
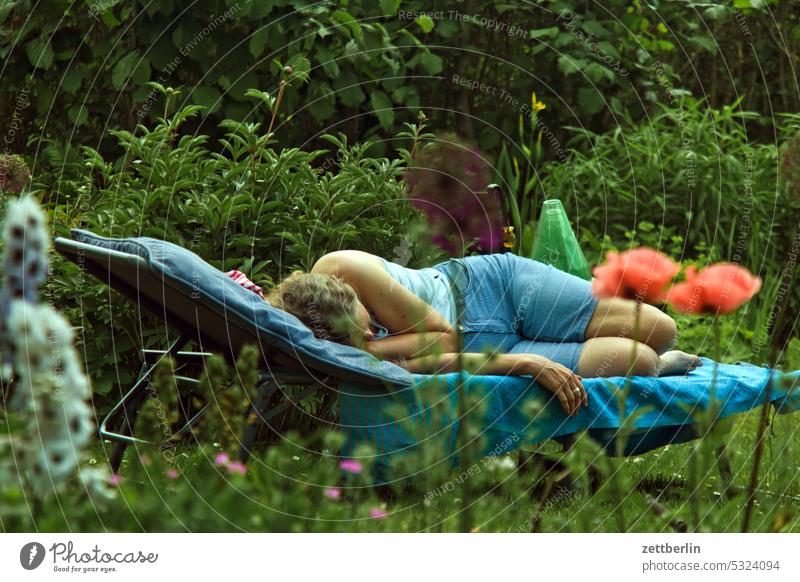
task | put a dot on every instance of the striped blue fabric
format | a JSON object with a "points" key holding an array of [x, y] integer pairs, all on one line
{"points": [[514, 411]]}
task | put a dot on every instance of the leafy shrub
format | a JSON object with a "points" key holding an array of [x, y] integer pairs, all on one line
{"points": [[604, 63], [246, 205]]}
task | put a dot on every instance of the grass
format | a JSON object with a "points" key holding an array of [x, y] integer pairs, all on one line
{"points": [[282, 493]]}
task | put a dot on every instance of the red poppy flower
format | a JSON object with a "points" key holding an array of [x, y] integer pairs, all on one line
{"points": [[720, 288], [640, 274]]}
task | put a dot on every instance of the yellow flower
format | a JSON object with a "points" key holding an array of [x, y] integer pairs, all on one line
{"points": [[536, 105], [509, 238]]}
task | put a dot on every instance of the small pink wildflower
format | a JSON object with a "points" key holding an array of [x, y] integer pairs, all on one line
{"points": [[115, 479], [378, 513], [222, 459], [171, 473], [350, 465], [332, 492], [145, 459], [237, 467]]}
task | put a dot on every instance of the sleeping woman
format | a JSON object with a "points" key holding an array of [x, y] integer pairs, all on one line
{"points": [[530, 317]]}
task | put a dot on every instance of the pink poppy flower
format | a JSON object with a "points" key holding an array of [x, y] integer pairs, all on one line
{"points": [[222, 459], [377, 513], [171, 473], [350, 465], [332, 492], [115, 479], [237, 467]]}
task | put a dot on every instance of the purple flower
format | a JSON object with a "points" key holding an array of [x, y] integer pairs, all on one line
{"points": [[332, 492], [237, 467], [350, 465], [115, 479], [447, 180], [377, 513], [221, 459], [171, 473]]}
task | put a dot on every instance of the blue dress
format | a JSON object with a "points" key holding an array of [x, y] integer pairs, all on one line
{"points": [[506, 304]]}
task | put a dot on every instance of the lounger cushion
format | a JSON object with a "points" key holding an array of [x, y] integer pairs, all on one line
{"points": [[198, 281], [513, 411]]}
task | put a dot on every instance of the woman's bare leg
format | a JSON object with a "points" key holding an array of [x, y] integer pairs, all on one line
{"points": [[615, 318], [611, 356]]}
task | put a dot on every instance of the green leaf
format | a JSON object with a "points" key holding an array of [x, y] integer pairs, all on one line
{"points": [[590, 100], [40, 53], [352, 96], [123, 69], [595, 28], [5, 9], [382, 107], [569, 65], [206, 96], [72, 79], [325, 58], [389, 7], [447, 29], [77, 114], [432, 63], [609, 49], [258, 41], [704, 42], [716, 12], [596, 72], [323, 102], [544, 32], [425, 23], [350, 22], [142, 73]]}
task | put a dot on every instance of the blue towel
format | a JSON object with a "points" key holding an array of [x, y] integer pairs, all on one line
{"points": [[513, 411]]}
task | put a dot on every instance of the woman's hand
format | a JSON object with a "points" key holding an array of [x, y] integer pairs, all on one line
{"points": [[559, 380]]}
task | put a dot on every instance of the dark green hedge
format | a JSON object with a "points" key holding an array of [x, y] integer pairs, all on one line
{"points": [[72, 70]]}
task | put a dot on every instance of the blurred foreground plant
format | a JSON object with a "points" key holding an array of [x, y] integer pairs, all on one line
{"points": [[41, 366]]}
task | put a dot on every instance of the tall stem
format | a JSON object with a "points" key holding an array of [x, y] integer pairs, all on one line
{"points": [[786, 280], [465, 515], [281, 89]]}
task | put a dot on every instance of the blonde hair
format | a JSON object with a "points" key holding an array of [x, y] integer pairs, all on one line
{"points": [[324, 303]]}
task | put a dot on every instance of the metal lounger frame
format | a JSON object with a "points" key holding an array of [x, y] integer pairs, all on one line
{"points": [[130, 275]]}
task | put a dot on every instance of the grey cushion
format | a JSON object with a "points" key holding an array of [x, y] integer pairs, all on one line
{"points": [[179, 275]]}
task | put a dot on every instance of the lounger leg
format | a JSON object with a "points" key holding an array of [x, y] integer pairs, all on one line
{"points": [[129, 413], [265, 392], [124, 412]]}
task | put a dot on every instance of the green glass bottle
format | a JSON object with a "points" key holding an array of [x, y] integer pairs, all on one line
{"points": [[555, 243]]}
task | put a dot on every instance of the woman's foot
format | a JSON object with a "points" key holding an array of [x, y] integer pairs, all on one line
{"points": [[676, 362]]}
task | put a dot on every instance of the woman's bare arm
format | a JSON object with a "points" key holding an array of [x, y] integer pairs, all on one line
{"points": [[412, 345], [550, 375], [396, 307]]}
